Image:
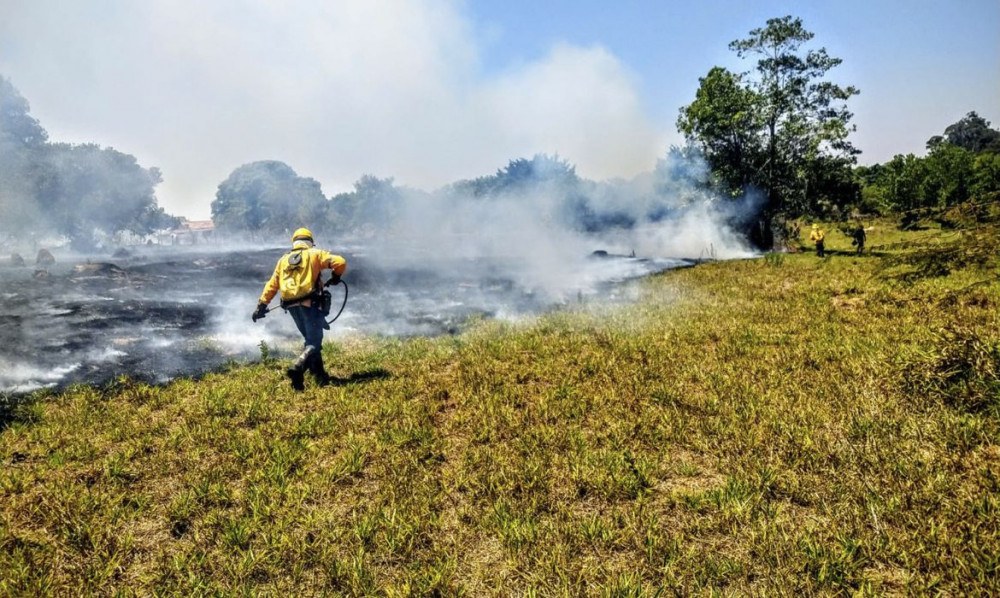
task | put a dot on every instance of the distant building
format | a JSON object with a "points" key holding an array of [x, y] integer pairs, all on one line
{"points": [[188, 232]]}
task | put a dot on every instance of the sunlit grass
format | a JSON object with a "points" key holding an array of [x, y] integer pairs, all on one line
{"points": [[780, 425]]}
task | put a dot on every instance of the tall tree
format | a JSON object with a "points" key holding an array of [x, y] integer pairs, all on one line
{"points": [[17, 126], [22, 140], [374, 204], [803, 114], [84, 192], [781, 127], [269, 197], [87, 191], [949, 176]]}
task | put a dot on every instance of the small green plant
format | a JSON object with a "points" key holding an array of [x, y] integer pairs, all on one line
{"points": [[265, 352], [774, 258], [236, 533]]}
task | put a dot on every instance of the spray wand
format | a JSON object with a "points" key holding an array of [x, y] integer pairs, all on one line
{"points": [[334, 281]]}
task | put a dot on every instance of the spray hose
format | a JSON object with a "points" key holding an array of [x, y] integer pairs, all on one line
{"points": [[343, 304]]}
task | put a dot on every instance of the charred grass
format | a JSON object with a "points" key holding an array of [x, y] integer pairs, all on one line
{"points": [[779, 426]]}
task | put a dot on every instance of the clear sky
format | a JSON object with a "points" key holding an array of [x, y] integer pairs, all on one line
{"points": [[430, 91]]}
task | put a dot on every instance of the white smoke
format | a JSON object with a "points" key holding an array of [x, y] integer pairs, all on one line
{"points": [[529, 237], [521, 238], [22, 376], [338, 89]]}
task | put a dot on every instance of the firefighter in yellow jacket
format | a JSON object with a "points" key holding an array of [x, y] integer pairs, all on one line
{"points": [[298, 276], [817, 236]]}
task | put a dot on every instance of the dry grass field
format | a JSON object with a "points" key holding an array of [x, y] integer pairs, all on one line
{"points": [[783, 425]]}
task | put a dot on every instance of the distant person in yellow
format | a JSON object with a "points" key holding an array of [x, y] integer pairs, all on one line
{"points": [[298, 276], [817, 235]]}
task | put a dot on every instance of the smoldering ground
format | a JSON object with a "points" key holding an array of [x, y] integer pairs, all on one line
{"points": [[163, 314], [426, 267]]}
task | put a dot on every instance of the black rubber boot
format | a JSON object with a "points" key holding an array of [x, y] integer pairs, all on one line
{"points": [[297, 378], [318, 371], [296, 372]]}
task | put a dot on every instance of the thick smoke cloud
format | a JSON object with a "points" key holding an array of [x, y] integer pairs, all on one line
{"points": [[336, 89], [538, 225]]}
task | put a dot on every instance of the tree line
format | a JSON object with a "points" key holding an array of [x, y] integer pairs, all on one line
{"points": [[268, 198], [961, 165], [84, 192], [781, 129]]}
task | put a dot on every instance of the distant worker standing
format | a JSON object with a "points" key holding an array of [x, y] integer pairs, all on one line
{"points": [[298, 276], [817, 235], [859, 237]]}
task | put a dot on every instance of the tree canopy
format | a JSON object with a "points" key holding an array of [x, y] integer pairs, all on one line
{"points": [[972, 133], [724, 121], [962, 164], [83, 191], [781, 127], [17, 127], [521, 174], [267, 197]]}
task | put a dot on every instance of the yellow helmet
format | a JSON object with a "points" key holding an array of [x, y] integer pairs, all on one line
{"points": [[302, 233]]}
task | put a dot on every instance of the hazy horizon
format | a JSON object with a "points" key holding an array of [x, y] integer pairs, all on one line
{"points": [[429, 93]]}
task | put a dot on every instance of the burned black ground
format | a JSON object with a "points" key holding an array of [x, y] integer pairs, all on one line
{"points": [[158, 313]]}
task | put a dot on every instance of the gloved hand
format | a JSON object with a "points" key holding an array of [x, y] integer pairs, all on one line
{"points": [[260, 313], [334, 280]]}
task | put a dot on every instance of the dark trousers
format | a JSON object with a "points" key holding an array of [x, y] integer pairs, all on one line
{"points": [[310, 322], [819, 248]]}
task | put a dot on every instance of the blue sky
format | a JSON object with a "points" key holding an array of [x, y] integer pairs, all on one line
{"points": [[431, 91], [920, 65]]}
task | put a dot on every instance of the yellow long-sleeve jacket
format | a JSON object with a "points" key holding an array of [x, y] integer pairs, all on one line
{"points": [[297, 274], [817, 234]]}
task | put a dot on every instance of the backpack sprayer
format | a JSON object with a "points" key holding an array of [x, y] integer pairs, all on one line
{"points": [[325, 298]]}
